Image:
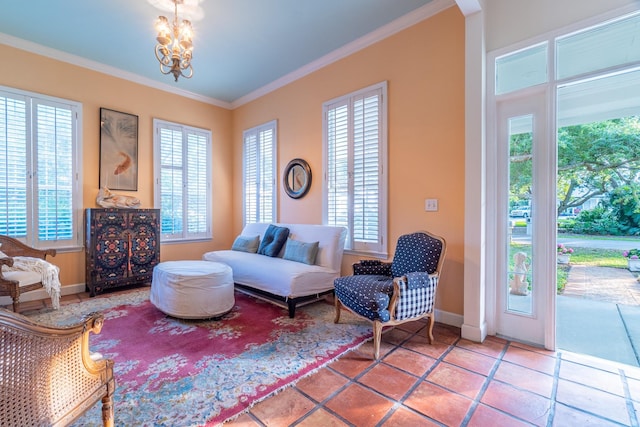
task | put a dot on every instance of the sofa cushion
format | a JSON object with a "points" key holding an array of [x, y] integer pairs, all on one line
{"points": [[298, 251], [273, 240], [275, 275], [246, 244]]}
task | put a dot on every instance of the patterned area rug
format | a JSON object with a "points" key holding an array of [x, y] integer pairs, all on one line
{"points": [[193, 373]]}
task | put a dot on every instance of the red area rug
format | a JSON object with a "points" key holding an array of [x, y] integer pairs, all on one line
{"points": [[200, 373]]}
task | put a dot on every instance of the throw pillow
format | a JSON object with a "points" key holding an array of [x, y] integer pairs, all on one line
{"points": [[246, 244], [273, 240], [301, 251]]}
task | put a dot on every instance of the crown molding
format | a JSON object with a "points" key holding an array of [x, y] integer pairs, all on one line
{"points": [[59, 55], [427, 11], [469, 7]]}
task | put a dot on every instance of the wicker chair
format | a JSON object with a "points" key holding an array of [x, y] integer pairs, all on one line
{"points": [[393, 293], [47, 375], [15, 283]]}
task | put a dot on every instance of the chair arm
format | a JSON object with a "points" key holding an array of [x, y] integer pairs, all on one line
{"points": [[413, 295], [8, 261], [375, 267]]}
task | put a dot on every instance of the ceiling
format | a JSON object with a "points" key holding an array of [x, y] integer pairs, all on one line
{"points": [[242, 48]]}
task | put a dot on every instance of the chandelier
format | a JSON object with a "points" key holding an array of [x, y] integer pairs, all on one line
{"points": [[175, 47]]}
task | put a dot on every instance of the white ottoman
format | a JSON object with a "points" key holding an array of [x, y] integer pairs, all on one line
{"points": [[192, 289]]}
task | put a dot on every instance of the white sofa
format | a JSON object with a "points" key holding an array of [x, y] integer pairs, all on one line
{"points": [[281, 279]]}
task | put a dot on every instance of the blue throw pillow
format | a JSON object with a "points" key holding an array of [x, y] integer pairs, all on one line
{"points": [[301, 251], [246, 244], [273, 240]]}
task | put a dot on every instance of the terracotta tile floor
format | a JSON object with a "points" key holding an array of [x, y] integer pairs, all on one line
{"points": [[453, 382], [456, 382]]}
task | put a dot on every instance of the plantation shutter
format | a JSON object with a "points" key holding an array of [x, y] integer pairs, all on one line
{"points": [[366, 169], [198, 188], [259, 174], [183, 183], [338, 167], [39, 174], [55, 174], [355, 146], [251, 181], [13, 167], [171, 182]]}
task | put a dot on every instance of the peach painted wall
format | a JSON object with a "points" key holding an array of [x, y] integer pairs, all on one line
{"points": [[39, 74], [424, 68]]}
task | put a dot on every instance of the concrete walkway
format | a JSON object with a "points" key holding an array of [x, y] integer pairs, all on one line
{"points": [[599, 314]]}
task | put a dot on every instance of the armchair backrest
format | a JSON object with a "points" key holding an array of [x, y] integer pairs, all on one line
{"points": [[47, 376], [419, 251]]}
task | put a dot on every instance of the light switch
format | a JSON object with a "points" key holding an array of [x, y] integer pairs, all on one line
{"points": [[431, 205]]}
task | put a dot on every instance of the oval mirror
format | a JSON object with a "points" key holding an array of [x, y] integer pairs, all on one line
{"points": [[297, 178]]}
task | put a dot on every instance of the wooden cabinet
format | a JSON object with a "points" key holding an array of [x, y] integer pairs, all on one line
{"points": [[121, 246]]}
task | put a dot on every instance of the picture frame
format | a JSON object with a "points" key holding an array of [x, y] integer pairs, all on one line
{"points": [[118, 150]]}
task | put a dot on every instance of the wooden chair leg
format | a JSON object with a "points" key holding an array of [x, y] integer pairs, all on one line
{"points": [[16, 304], [377, 336], [338, 306], [431, 320], [107, 411]]}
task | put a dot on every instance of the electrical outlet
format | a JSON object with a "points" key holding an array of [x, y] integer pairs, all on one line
{"points": [[431, 205]]}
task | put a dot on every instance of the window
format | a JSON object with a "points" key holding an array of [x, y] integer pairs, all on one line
{"points": [[40, 168], [355, 165], [259, 173], [182, 159]]}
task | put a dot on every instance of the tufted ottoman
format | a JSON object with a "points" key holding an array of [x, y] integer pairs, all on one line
{"points": [[192, 289]]}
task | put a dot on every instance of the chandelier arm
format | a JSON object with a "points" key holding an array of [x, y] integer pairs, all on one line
{"points": [[161, 56], [190, 69]]}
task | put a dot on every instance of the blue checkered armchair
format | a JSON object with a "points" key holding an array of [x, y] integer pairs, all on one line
{"points": [[393, 293]]}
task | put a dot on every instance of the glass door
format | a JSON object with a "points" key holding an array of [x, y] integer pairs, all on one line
{"points": [[525, 271]]}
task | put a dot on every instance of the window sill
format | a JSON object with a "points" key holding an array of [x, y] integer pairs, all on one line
{"points": [[369, 254]]}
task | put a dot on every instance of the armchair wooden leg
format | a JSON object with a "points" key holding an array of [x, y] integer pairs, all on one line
{"points": [[107, 411], [338, 306], [431, 320], [16, 304], [377, 336]]}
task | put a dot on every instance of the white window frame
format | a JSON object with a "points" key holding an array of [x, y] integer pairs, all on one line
{"points": [[32, 100], [354, 245], [264, 178], [184, 235]]}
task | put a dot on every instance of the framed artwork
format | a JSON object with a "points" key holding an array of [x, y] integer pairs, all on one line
{"points": [[118, 150]]}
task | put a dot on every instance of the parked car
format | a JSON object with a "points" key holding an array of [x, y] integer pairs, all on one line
{"points": [[520, 212]]}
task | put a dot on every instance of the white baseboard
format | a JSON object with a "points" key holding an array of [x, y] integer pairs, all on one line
{"points": [[474, 333], [42, 294], [451, 319]]}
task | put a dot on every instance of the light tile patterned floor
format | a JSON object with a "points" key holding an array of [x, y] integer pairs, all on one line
{"points": [[452, 382]]}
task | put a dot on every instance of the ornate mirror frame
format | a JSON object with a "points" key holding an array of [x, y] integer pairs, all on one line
{"points": [[297, 178]]}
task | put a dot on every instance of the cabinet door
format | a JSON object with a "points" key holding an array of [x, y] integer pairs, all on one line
{"points": [[143, 226], [111, 241]]}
